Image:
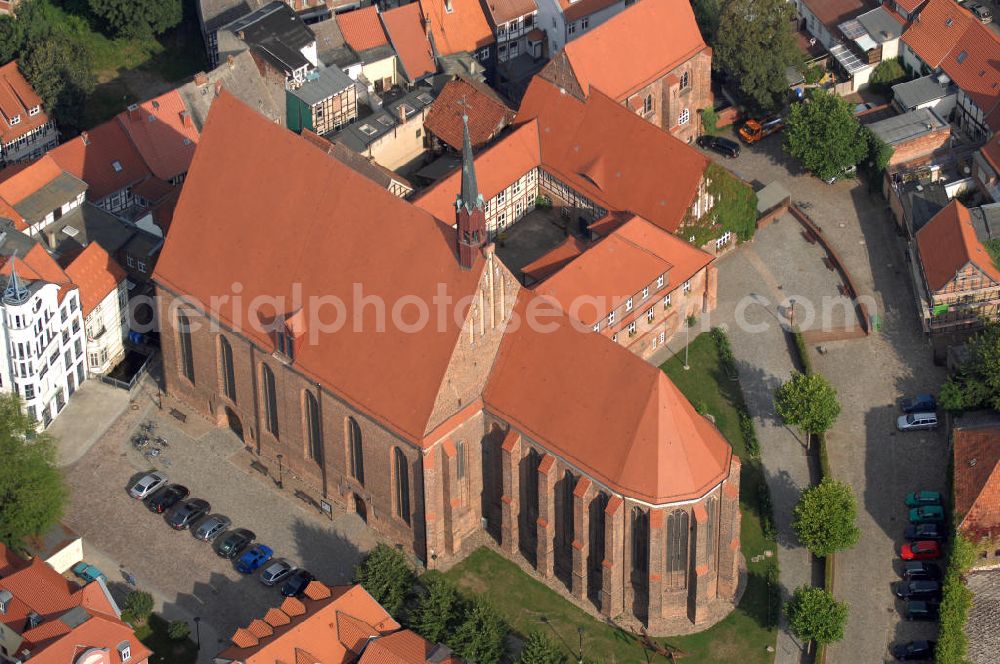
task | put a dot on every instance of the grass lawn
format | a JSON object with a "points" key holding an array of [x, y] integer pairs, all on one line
{"points": [[165, 650], [743, 636]]}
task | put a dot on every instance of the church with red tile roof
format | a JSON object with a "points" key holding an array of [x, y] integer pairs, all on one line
{"points": [[403, 372]]}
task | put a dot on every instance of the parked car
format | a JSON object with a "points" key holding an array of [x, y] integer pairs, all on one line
{"points": [[211, 527], [917, 421], [253, 559], [982, 13], [754, 130], [919, 498], [277, 572], [723, 146], [919, 589], [924, 531], [182, 515], [927, 514], [88, 573], [914, 650], [147, 484], [166, 497], [922, 550], [862, 107], [921, 403], [915, 569], [232, 543], [296, 584], [920, 610]]}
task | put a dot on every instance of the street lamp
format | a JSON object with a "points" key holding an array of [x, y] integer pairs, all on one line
{"points": [[197, 630], [687, 343], [579, 631], [281, 483]]}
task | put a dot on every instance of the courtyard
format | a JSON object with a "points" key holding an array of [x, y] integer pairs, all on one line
{"points": [[537, 233]]}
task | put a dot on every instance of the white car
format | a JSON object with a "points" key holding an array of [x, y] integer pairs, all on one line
{"points": [[917, 421], [277, 571], [147, 485]]}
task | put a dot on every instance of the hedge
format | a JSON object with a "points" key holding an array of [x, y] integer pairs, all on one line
{"points": [[953, 645]]}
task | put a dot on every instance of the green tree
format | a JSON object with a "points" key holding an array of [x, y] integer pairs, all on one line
{"points": [[824, 134], [814, 615], [138, 605], [32, 493], [387, 576], [824, 518], [540, 649], [481, 635], [178, 630], [808, 402], [60, 72], [977, 382], [707, 12], [437, 612], [138, 18], [887, 74], [952, 643], [754, 46]]}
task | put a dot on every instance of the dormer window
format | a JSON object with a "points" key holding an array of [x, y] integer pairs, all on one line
{"points": [[117, 165], [16, 120], [125, 651], [34, 110]]}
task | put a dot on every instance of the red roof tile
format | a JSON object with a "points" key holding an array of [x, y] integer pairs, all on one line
{"points": [[548, 264], [664, 450], [503, 11], [403, 647], [96, 274], [487, 113], [948, 243], [577, 10], [362, 28], [329, 215], [17, 98], [635, 47], [936, 30], [974, 65], [832, 13], [25, 181], [164, 134], [406, 32], [613, 156], [104, 158], [977, 480], [991, 151], [909, 6], [464, 29]]}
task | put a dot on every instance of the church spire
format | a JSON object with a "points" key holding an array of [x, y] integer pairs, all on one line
{"points": [[469, 197], [470, 209]]}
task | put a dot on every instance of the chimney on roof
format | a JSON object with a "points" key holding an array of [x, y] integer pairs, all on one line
{"points": [[401, 110], [186, 119], [134, 113], [200, 79], [5, 599], [231, 61], [85, 137], [218, 88]]}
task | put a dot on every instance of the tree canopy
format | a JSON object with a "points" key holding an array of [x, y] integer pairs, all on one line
{"points": [[824, 518], [60, 72], [32, 493], [480, 637], [977, 382], [438, 611], [754, 46], [387, 576], [540, 649], [138, 18], [814, 615], [808, 402], [887, 74], [824, 134]]}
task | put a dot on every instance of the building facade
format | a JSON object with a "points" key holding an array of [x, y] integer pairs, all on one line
{"points": [[26, 131]]}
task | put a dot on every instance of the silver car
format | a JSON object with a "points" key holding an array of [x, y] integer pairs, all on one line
{"points": [[277, 571], [147, 485], [917, 421], [211, 527]]}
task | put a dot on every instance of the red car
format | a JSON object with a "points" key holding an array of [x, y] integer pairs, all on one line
{"points": [[922, 550]]}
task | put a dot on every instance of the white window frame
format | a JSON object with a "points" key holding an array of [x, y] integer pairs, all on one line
{"points": [[645, 292], [611, 319], [684, 117], [666, 301], [650, 315], [631, 327], [628, 304], [597, 327], [687, 287], [659, 281]]}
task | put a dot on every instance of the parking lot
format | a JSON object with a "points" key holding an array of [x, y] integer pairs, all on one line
{"points": [[186, 572]]}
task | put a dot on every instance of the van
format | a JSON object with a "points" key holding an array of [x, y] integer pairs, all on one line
{"points": [[982, 13], [917, 421]]}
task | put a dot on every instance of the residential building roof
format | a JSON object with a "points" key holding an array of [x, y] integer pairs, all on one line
{"points": [[216, 13], [372, 170], [577, 10], [70, 619], [612, 155], [664, 450], [362, 28], [986, 221], [17, 100], [96, 274], [974, 65], [362, 133], [991, 151], [30, 192], [240, 77], [948, 243], [330, 214], [51, 196], [85, 225], [832, 13], [977, 480], [276, 33], [920, 91], [104, 158], [635, 47], [163, 132], [404, 25], [487, 113], [406, 647], [331, 47], [936, 30], [909, 6], [881, 24], [908, 126], [463, 29], [619, 265], [322, 84], [503, 11], [496, 168], [550, 263]]}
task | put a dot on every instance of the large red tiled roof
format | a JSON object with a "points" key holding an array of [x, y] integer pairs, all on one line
{"points": [[936, 30], [613, 156], [96, 274], [17, 98], [463, 29], [974, 65], [23, 182], [553, 261], [292, 217], [548, 384], [832, 13], [576, 10], [497, 168], [93, 156], [991, 151], [403, 24], [977, 480], [362, 28], [909, 6], [503, 11], [635, 47], [403, 647], [948, 243], [164, 134], [487, 114]]}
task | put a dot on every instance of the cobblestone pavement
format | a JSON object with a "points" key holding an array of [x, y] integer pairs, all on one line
{"points": [[184, 573], [870, 375], [983, 626]]}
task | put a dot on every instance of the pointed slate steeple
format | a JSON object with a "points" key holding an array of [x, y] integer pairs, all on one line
{"points": [[469, 197], [469, 207], [16, 292]]}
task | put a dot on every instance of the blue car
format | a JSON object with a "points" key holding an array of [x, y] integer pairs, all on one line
{"points": [[253, 559], [88, 573], [921, 403]]}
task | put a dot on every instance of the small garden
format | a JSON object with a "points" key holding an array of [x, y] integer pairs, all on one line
{"points": [[170, 641]]}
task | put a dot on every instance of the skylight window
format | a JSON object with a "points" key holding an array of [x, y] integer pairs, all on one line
{"points": [[962, 56], [385, 121], [368, 129], [117, 165], [425, 98]]}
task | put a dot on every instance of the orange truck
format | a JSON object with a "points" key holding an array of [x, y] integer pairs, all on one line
{"points": [[754, 130]]}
